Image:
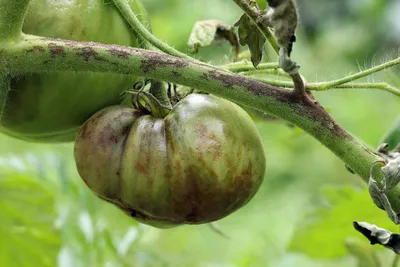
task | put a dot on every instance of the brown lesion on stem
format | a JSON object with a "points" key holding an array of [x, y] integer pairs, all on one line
{"points": [[36, 48], [153, 62], [56, 50], [87, 53], [118, 53]]}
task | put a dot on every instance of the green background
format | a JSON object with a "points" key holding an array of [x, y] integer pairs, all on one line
{"points": [[302, 215]]}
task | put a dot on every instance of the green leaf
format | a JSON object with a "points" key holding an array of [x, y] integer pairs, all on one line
{"points": [[251, 36], [324, 232], [392, 136], [205, 32], [27, 233]]}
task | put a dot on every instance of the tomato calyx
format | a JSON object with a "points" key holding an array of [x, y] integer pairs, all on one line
{"points": [[151, 100], [145, 102]]}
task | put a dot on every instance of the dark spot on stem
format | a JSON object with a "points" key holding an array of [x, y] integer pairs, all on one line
{"points": [[88, 53], [36, 48], [118, 53], [56, 50], [204, 76], [153, 61]]}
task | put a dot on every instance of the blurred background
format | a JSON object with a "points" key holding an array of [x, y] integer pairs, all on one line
{"points": [[302, 215]]}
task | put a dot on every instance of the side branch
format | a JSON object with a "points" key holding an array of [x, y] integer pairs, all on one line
{"points": [[12, 14], [38, 54], [135, 23], [359, 75]]}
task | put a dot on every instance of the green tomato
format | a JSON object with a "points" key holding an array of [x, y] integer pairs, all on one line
{"points": [[50, 107], [200, 163]]}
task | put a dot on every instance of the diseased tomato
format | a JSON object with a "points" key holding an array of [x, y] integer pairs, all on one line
{"points": [[200, 163], [50, 107]]}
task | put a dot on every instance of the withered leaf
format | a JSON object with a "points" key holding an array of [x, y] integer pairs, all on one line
{"points": [[205, 32], [250, 35]]}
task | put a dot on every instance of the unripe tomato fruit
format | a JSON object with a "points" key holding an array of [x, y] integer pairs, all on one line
{"points": [[200, 163], [50, 107]]}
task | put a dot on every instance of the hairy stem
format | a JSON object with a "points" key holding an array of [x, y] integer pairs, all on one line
{"points": [[260, 73], [379, 86], [358, 75], [132, 19], [12, 14], [279, 83], [142, 17], [247, 66], [39, 54], [317, 86]]}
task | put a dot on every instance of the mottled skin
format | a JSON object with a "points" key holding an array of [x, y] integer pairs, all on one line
{"points": [[51, 107], [199, 164], [282, 16]]}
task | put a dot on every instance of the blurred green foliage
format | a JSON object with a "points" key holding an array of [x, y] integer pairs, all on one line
{"points": [[303, 214]]}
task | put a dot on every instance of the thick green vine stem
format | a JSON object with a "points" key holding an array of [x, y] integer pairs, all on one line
{"points": [[12, 14], [39, 54]]}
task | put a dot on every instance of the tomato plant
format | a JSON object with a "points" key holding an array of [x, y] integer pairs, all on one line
{"points": [[50, 107], [198, 164], [201, 158]]}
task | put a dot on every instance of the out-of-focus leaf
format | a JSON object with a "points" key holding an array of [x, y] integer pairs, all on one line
{"points": [[27, 233], [205, 32], [251, 36], [392, 136], [324, 233], [364, 253]]}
